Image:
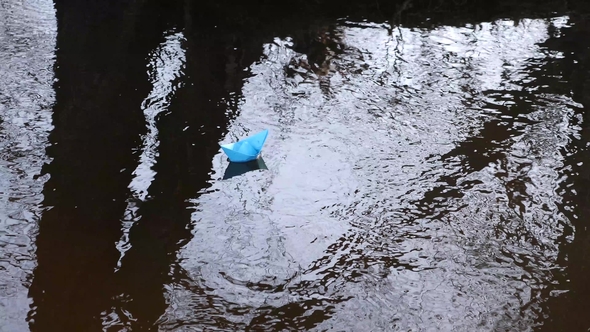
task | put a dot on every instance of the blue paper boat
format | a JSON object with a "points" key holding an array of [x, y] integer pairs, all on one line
{"points": [[246, 149]]}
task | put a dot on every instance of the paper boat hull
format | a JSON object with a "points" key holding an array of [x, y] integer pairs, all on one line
{"points": [[246, 149]]}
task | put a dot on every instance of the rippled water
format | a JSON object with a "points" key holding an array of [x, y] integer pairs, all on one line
{"points": [[27, 43], [414, 185], [416, 178]]}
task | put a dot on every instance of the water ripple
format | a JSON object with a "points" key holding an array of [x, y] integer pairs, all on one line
{"points": [[418, 188], [27, 43]]}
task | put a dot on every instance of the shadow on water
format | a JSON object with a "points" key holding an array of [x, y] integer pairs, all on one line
{"points": [[237, 169]]}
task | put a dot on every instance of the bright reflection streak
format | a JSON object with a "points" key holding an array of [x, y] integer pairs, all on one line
{"points": [[28, 31], [165, 67]]}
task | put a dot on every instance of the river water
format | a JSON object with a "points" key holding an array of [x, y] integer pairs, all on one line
{"points": [[415, 179]]}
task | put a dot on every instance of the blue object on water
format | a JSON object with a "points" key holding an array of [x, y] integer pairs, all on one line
{"points": [[246, 149]]}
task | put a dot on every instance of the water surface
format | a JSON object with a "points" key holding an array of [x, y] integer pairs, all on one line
{"points": [[415, 178]]}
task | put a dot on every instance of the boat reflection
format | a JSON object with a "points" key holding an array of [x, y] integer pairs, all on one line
{"points": [[237, 169]]}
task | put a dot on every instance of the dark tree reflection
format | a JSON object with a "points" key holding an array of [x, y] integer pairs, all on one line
{"points": [[567, 299], [189, 133], [100, 68]]}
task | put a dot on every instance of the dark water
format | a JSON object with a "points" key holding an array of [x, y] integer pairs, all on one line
{"points": [[414, 179]]}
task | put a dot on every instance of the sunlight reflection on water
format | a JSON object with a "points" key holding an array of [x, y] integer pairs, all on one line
{"points": [[406, 184]]}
